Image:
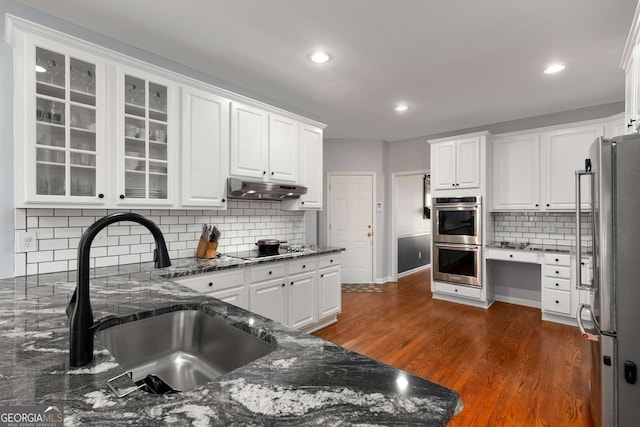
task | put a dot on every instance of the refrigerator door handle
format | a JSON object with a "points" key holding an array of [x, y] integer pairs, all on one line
{"points": [[583, 332], [579, 175]]}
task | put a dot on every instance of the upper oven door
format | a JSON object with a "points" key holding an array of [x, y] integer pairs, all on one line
{"points": [[457, 223]]}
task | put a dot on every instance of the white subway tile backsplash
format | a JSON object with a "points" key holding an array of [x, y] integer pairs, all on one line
{"points": [[550, 228], [59, 232]]}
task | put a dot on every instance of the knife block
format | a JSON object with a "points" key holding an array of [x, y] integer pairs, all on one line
{"points": [[206, 250]]}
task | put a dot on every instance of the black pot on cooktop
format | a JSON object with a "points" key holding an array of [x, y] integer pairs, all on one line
{"points": [[269, 246]]}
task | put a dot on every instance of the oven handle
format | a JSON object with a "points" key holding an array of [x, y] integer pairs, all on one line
{"points": [[456, 246]]}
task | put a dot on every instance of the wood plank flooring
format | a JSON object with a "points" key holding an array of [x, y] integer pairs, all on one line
{"points": [[509, 367]]}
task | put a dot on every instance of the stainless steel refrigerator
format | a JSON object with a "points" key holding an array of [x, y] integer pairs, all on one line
{"points": [[612, 176]]}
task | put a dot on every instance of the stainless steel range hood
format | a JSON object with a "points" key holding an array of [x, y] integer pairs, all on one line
{"points": [[258, 190]]}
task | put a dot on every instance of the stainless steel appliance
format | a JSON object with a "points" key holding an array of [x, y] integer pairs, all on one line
{"points": [[614, 174], [460, 264], [457, 240], [260, 190], [457, 220]]}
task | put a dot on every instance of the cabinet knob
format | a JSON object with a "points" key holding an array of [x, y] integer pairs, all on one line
{"points": [[304, 266], [330, 260], [536, 205], [210, 283], [122, 196], [548, 205], [557, 260], [557, 302], [283, 285], [264, 172], [100, 196], [455, 290], [303, 203], [511, 256], [631, 122], [271, 173], [457, 185], [453, 185], [270, 272], [557, 284], [292, 283], [557, 272], [224, 200], [322, 275]]}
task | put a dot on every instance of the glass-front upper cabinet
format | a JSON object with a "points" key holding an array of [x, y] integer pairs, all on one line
{"points": [[145, 130], [64, 125]]}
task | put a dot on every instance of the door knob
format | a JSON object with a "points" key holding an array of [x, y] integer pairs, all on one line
{"points": [[369, 234]]}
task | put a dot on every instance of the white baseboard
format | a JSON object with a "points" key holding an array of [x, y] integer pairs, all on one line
{"points": [[322, 324], [414, 270], [383, 280], [459, 300], [570, 321], [518, 301]]}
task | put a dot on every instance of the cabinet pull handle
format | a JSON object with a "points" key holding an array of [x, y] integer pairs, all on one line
{"points": [[100, 196], [122, 196]]}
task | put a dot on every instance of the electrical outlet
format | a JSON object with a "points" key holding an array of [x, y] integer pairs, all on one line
{"points": [[419, 255], [26, 241]]}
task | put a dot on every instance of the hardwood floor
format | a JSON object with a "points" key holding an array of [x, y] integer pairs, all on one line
{"points": [[509, 367]]}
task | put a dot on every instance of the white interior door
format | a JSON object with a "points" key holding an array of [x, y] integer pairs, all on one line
{"points": [[351, 225]]}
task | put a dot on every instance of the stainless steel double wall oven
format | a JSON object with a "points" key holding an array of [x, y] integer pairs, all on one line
{"points": [[457, 237]]}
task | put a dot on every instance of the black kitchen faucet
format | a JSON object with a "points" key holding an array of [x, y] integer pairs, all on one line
{"points": [[82, 329]]}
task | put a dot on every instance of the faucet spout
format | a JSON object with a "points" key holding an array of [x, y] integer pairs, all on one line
{"points": [[81, 326]]}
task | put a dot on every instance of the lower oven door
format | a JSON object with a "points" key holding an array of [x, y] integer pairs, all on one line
{"points": [[459, 264]]}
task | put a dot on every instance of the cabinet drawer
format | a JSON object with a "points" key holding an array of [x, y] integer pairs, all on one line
{"points": [[269, 271], [518, 256], [557, 283], [214, 281], [462, 291], [303, 265], [557, 259], [329, 260], [558, 301], [557, 271]]}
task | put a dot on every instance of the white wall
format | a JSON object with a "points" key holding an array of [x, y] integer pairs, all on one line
{"points": [[361, 155], [409, 214]]}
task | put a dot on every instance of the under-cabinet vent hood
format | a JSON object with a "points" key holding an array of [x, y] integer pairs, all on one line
{"points": [[258, 190]]}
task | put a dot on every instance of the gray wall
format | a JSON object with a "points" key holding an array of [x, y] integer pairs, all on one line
{"points": [[413, 252], [361, 155], [516, 280]]}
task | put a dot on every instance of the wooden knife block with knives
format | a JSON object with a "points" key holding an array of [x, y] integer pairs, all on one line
{"points": [[208, 244]]}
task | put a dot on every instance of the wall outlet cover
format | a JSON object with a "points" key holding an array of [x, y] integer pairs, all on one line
{"points": [[26, 241]]}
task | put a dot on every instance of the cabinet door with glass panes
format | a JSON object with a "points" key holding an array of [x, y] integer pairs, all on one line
{"points": [[145, 159], [64, 149]]}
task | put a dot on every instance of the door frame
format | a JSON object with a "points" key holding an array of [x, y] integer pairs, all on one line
{"points": [[374, 251], [394, 226]]}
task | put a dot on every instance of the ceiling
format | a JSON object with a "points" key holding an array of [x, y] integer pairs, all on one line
{"points": [[456, 63]]}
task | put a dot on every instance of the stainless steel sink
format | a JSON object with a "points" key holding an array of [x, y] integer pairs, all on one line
{"points": [[184, 348]]}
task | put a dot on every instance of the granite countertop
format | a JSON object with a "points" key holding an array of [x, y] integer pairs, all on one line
{"points": [[534, 247], [304, 381]]}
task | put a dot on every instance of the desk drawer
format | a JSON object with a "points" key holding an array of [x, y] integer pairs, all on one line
{"points": [[557, 271], [329, 260], [557, 283], [518, 256], [461, 291], [558, 301], [557, 259]]}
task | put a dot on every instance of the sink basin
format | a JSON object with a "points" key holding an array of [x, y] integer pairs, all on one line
{"points": [[184, 348]]}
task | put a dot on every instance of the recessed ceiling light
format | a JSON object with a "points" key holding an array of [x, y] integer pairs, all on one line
{"points": [[401, 108], [40, 69], [320, 57], [554, 68]]}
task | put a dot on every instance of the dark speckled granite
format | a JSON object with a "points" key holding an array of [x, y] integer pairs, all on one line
{"points": [[305, 381]]}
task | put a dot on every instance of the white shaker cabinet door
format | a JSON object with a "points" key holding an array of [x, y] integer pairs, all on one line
{"points": [[443, 166], [516, 173], [468, 163], [565, 152], [249, 149], [205, 148], [329, 297], [284, 149], [302, 300], [268, 299]]}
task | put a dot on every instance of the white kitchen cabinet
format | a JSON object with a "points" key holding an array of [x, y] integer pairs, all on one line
{"points": [[564, 152], [302, 301], [284, 149], [60, 113], [516, 172], [559, 297], [456, 164], [249, 147], [269, 299], [329, 292], [228, 286], [205, 148], [615, 126], [146, 155], [311, 154], [630, 64]]}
